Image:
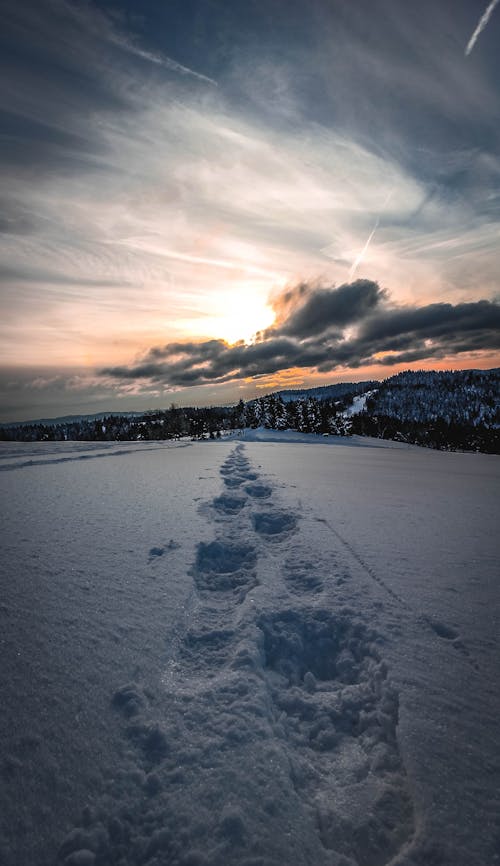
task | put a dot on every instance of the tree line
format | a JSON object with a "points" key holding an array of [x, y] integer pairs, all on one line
{"points": [[451, 410], [307, 415]]}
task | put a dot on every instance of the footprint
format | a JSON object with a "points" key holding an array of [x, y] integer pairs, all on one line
{"points": [[441, 629], [220, 557], [296, 642], [258, 491], [129, 699], [151, 739], [339, 715], [229, 504], [235, 464], [450, 635], [221, 566], [206, 648], [156, 552], [147, 734], [274, 523], [233, 469], [241, 462], [302, 576], [233, 481]]}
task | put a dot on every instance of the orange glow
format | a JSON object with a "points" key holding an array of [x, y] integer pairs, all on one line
{"points": [[291, 378]]}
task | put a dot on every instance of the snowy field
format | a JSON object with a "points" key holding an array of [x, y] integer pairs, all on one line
{"points": [[249, 653]]}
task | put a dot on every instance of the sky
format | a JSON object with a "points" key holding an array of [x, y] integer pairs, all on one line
{"points": [[203, 200]]}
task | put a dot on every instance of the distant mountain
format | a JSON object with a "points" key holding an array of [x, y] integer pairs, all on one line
{"points": [[71, 419]]}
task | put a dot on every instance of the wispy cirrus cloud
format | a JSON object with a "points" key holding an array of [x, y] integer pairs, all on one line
{"points": [[485, 17]]}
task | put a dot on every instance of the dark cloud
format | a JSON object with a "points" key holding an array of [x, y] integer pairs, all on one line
{"points": [[314, 311], [185, 364], [435, 320], [312, 339]]}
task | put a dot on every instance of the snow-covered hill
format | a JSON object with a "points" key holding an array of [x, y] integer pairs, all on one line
{"points": [[252, 652], [456, 397]]}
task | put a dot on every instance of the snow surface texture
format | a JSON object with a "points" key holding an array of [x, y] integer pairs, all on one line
{"points": [[255, 653]]}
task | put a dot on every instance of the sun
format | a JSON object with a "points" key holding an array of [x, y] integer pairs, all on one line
{"points": [[239, 318]]}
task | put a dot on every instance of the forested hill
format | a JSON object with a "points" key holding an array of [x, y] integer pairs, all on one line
{"points": [[446, 409], [459, 397], [457, 410]]}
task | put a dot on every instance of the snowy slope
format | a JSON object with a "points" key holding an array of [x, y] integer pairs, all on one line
{"points": [[358, 404], [247, 653]]}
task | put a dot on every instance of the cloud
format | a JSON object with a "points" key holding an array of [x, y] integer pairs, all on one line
{"points": [[20, 275], [313, 310], [433, 320], [124, 173], [314, 336], [485, 17], [68, 73]]}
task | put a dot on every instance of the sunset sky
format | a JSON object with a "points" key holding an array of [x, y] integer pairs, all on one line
{"points": [[208, 199]]}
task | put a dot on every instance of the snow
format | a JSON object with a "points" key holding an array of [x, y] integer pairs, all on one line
{"points": [[262, 434], [358, 404], [254, 652]]}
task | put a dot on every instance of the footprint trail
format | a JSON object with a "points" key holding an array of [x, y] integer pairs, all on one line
{"points": [[273, 736]]}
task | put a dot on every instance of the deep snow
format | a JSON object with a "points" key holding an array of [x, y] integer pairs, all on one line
{"points": [[256, 653]]}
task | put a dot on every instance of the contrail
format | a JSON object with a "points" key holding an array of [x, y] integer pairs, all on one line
{"points": [[160, 59], [357, 261], [359, 258], [485, 17]]}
